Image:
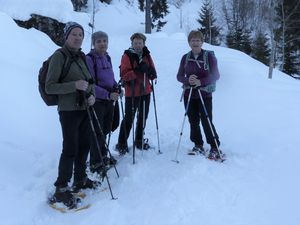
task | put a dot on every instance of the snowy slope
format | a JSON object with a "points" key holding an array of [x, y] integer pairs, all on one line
{"points": [[257, 120]]}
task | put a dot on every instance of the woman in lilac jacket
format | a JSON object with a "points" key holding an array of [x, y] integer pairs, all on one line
{"points": [[100, 66], [198, 69]]}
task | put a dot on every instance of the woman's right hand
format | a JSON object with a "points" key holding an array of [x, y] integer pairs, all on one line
{"points": [[81, 85], [114, 96], [194, 81]]}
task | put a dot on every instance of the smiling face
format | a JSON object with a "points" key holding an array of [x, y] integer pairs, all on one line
{"points": [[138, 45], [196, 44], [101, 45], [75, 38]]}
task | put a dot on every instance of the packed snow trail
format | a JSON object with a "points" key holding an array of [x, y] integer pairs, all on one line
{"points": [[256, 118]]}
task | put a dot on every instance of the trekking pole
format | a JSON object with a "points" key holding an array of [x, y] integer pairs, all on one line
{"points": [[111, 124], [156, 120], [132, 111], [97, 144], [103, 139], [182, 126], [209, 122], [123, 118], [144, 112]]}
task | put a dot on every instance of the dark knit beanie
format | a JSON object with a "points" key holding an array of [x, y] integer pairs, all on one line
{"points": [[70, 26], [97, 35]]}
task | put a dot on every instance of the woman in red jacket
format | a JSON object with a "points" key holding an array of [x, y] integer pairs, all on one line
{"points": [[137, 69]]}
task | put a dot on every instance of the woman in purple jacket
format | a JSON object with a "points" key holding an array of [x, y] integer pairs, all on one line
{"points": [[100, 66], [198, 70]]}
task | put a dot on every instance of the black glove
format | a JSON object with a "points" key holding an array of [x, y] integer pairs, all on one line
{"points": [[152, 73], [117, 88], [143, 68]]}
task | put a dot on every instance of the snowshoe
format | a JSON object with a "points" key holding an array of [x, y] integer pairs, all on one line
{"points": [[142, 146], [216, 155], [196, 150], [65, 210], [65, 196], [85, 184]]}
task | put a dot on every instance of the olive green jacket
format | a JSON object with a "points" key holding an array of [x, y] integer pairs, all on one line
{"points": [[68, 96]]}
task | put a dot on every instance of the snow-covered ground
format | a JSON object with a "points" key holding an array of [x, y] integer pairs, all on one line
{"points": [[257, 120]]}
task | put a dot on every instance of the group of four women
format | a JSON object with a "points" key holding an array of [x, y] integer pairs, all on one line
{"points": [[91, 82]]}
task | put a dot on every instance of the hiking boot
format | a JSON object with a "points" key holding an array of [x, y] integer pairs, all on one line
{"points": [[139, 144], [100, 170], [122, 148], [85, 184], [197, 149], [214, 154], [110, 161], [65, 196], [96, 168]]}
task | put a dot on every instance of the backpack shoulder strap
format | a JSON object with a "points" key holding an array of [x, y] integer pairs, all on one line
{"points": [[109, 59], [94, 66], [187, 57], [66, 65], [206, 61]]}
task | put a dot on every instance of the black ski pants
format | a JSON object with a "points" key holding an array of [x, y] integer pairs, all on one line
{"points": [[104, 111], [129, 116], [196, 114], [76, 143]]}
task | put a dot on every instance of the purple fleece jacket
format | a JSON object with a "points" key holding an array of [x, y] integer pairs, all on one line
{"points": [[206, 77], [105, 74]]}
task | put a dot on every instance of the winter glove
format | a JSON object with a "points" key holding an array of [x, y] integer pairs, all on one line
{"points": [[143, 68], [91, 100], [152, 73], [114, 96]]}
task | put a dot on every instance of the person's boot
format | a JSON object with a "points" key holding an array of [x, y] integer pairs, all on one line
{"points": [[65, 196], [139, 144], [86, 183], [110, 161], [216, 155], [197, 149], [122, 148]]}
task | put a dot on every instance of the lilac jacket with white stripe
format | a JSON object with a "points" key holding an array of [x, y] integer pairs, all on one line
{"points": [[105, 74]]}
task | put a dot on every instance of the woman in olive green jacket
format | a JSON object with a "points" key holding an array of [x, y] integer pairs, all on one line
{"points": [[75, 92]]}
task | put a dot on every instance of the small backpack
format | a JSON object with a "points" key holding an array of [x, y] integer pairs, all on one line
{"points": [[205, 58], [210, 87], [52, 100]]}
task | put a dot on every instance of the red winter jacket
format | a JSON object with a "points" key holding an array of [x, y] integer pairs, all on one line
{"points": [[131, 74]]}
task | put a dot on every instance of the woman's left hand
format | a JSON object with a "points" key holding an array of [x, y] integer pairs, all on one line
{"points": [[91, 100]]}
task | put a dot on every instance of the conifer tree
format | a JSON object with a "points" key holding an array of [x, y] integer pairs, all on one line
{"points": [[246, 44], [208, 25], [142, 5], [78, 5], [261, 50], [239, 39], [159, 9]]}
